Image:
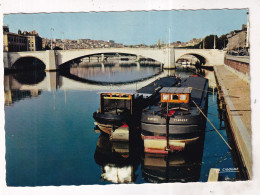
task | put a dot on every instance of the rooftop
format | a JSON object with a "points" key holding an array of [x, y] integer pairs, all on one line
{"points": [[176, 90]]}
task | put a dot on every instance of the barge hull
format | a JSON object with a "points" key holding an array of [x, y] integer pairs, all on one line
{"points": [[177, 130], [158, 144]]}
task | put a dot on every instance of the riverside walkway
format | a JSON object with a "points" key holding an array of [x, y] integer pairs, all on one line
{"points": [[236, 95]]}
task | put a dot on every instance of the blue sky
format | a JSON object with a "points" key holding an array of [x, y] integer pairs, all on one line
{"points": [[131, 27]]}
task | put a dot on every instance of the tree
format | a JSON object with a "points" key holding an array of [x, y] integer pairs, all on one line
{"points": [[222, 42], [46, 47], [209, 42], [57, 48]]}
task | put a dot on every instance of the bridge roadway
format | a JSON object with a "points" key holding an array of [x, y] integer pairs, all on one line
{"points": [[53, 59]]}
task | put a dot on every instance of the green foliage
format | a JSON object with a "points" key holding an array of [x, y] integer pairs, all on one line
{"points": [[57, 48], [46, 47], [221, 43]]}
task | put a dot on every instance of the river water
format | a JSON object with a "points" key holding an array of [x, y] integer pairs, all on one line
{"points": [[50, 137]]}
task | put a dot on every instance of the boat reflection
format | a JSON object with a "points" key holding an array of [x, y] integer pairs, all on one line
{"points": [[178, 167], [117, 164]]}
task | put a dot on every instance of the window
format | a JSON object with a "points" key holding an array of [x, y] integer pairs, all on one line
{"points": [[183, 97], [175, 97], [115, 95], [165, 97]]}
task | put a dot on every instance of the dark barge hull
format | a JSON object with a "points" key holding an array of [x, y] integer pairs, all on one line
{"points": [[183, 129], [108, 121], [109, 118]]}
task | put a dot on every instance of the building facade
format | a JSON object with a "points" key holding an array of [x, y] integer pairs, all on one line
{"points": [[237, 40], [26, 41], [34, 40], [13, 42]]}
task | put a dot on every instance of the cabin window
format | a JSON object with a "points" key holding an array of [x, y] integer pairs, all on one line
{"points": [[165, 97], [106, 95], [175, 97], [115, 95], [124, 96], [183, 97]]}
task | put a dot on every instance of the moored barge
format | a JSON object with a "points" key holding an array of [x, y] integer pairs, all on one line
{"points": [[176, 120], [118, 109]]}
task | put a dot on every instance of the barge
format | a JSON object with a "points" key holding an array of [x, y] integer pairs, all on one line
{"points": [[176, 121], [115, 110], [118, 109]]}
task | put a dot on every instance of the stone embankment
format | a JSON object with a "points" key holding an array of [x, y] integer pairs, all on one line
{"points": [[234, 91]]}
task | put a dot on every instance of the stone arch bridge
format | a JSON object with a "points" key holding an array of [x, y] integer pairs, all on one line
{"points": [[53, 59]]}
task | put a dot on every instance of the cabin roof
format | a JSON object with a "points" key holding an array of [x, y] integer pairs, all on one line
{"points": [[116, 92], [176, 90]]}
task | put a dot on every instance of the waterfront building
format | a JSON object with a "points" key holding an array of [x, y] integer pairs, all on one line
{"points": [[46, 43], [34, 40], [237, 40], [13, 42]]}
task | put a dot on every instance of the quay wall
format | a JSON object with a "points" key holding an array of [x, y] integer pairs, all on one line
{"points": [[238, 66], [237, 108]]}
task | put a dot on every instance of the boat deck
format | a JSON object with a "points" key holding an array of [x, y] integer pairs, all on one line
{"points": [[164, 82], [198, 87]]}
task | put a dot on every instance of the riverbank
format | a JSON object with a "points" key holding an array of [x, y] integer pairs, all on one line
{"points": [[235, 94]]}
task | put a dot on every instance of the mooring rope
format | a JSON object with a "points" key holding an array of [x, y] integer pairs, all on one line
{"points": [[212, 125]]}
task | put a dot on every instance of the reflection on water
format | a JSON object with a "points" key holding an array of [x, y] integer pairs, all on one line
{"points": [[13, 96], [50, 139], [114, 158], [30, 77], [178, 167], [113, 74]]}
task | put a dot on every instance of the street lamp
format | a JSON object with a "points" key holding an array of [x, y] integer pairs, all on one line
{"points": [[52, 29], [63, 39]]}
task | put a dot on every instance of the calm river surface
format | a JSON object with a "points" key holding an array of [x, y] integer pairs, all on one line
{"points": [[50, 137]]}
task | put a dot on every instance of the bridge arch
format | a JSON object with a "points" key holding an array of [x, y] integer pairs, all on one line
{"points": [[202, 58], [212, 56], [160, 55], [88, 54], [28, 62]]}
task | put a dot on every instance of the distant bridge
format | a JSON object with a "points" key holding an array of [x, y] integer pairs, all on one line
{"points": [[53, 59]]}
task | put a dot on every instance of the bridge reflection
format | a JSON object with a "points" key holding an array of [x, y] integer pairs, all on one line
{"points": [[84, 78], [79, 78], [110, 75]]}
